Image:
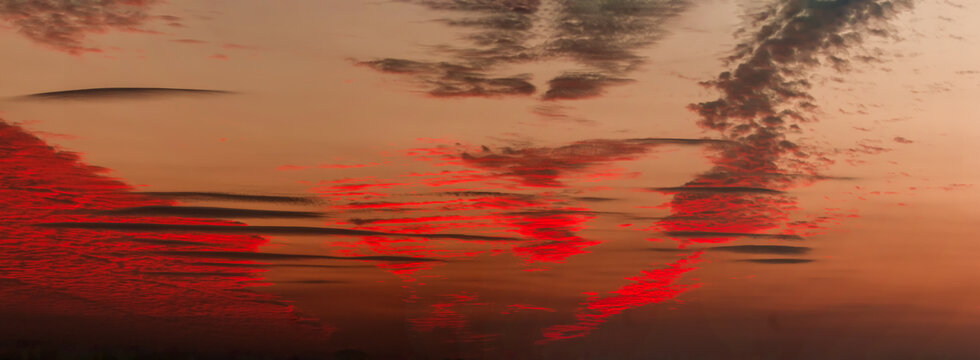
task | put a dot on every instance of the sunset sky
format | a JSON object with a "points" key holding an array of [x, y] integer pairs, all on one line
{"points": [[520, 179]]}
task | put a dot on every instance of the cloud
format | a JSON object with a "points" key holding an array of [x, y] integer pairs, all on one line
{"points": [[580, 85], [543, 166], [242, 255], [763, 249], [237, 229], [120, 93], [454, 80], [712, 234], [64, 25], [778, 261], [601, 36], [231, 197], [715, 189], [763, 100], [189, 41], [209, 212], [41, 184]]}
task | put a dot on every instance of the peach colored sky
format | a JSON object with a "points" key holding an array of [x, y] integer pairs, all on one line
{"points": [[900, 128]]}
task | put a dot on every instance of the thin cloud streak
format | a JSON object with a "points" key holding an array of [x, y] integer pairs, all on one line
{"points": [[121, 93], [763, 249], [210, 212], [244, 255], [268, 230], [778, 261], [220, 196]]}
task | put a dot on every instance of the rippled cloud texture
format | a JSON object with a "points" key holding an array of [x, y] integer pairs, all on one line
{"points": [[64, 24], [603, 37]]}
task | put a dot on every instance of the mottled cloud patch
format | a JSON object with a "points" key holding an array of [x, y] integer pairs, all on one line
{"points": [[580, 85], [120, 93], [453, 80], [210, 212], [603, 37], [64, 25], [607, 34], [543, 166], [902, 140]]}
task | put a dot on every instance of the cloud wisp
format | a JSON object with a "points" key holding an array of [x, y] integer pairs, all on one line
{"points": [[222, 196], [65, 25], [210, 212], [602, 37], [543, 166], [241, 229], [121, 93]]}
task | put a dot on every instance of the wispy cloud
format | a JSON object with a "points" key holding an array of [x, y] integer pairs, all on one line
{"points": [[601, 36], [580, 85], [236, 229], [209, 212], [763, 249], [452, 80], [191, 195], [543, 166], [715, 189], [713, 234], [120, 93], [64, 25], [778, 261], [236, 255]]}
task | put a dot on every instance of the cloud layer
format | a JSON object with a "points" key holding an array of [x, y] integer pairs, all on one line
{"points": [[64, 25], [601, 36]]}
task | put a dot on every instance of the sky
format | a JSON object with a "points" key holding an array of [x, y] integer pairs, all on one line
{"points": [[494, 178]]}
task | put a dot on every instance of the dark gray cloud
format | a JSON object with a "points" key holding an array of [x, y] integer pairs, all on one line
{"points": [[64, 25], [764, 99], [580, 85], [453, 80], [606, 33], [120, 93], [711, 234], [210, 212], [601, 36], [268, 230], [763, 249], [244, 255], [715, 189], [594, 199], [679, 141], [778, 261], [231, 197], [543, 166]]}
